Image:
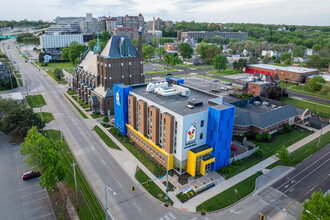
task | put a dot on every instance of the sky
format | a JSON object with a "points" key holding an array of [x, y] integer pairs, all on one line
{"points": [[297, 12]]}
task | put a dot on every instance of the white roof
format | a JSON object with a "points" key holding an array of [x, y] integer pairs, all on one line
{"points": [[14, 96], [325, 77], [285, 68]]}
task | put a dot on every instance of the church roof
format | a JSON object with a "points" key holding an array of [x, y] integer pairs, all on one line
{"points": [[113, 47]]}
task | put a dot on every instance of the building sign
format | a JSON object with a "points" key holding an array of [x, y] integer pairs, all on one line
{"points": [[191, 133], [118, 98]]}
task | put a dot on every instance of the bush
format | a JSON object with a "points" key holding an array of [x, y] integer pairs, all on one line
{"points": [[44, 64], [105, 119], [181, 197], [258, 153], [237, 163], [249, 134], [258, 137], [267, 137], [287, 127]]}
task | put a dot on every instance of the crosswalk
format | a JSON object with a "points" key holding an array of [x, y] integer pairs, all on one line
{"points": [[171, 216]]}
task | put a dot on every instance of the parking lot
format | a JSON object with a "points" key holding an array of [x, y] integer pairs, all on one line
{"points": [[20, 199]]}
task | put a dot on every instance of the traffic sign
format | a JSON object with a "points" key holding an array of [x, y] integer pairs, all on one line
{"points": [[133, 188], [262, 217]]}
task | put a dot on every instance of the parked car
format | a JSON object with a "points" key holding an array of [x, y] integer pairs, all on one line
{"points": [[168, 74], [215, 90], [25, 61], [230, 87], [215, 80], [224, 88], [30, 175]]}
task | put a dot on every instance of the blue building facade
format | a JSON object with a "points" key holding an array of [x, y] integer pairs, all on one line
{"points": [[121, 92]]}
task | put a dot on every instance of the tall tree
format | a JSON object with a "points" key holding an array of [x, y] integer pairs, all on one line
{"points": [[185, 50], [148, 51], [160, 51], [105, 36], [316, 83], [317, 207], [283, 155], [43, 155], [5, 106], [300, 51], [220, 62]]}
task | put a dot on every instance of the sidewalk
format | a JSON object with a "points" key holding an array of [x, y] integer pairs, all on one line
{"points": [[191, 204]]}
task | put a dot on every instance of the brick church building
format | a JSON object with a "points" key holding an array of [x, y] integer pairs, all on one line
{"points": [[98, 71]]}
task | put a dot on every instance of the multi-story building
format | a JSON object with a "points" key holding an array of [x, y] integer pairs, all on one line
{"points": [[262, 115], [256, 84], [4, 72], [131, 33], [93, 26], [241, 36], [97, 72], [136, 22], [49, 41], [111, 24], [289, 73], [64, 28], [183, 128]]}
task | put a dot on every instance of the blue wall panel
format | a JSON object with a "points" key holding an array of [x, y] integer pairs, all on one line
{"points": [[219, 134], [121, 92]]}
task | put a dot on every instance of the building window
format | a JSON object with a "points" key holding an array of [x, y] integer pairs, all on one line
{"points": [[156, 153], [201, 136], [163, 158], [153, 150], [202, 123]]}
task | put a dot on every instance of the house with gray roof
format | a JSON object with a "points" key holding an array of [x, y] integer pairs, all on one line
{"points": [[262, 115], [98, 71]]}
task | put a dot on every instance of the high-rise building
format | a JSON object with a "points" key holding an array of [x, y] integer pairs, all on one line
{"points": [[50, 41]]}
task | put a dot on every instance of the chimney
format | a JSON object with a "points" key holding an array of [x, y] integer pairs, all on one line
{"points": [[140, 42], [153, 26]]}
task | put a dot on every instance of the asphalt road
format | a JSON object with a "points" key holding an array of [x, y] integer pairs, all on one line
{"points": [[20, 199], [311, 175], [327, 101], [98, 163]]}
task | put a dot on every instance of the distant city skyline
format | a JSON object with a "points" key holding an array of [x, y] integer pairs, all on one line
{"points": [[294, 12]]}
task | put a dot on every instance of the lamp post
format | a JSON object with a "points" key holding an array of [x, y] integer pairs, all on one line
{"points": [[312, 214], [106, 202]]}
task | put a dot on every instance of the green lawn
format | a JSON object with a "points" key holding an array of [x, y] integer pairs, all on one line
{"points": [[323, 110], [229, 196], [195, 67], [167, 70], [268, 150], [81, 113], [211, 77], [58, 80], [106, 139], [80, 101], [88, 206], [25, 57], [72, 92], [226, 72], [308, 149], [153, 189], [20, 81], [96, 116], [71, 71], [35, 100], [46, 116], [305, 90], [62, 65]]}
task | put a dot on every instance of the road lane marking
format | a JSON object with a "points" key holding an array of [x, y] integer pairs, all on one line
{"points": [[46, 215], [28, 187], [303, 170], [26, 213], [103, 161], [137, 207], [167, 218], [170, 214], [93, 149], [35, 200], [119, 184]]}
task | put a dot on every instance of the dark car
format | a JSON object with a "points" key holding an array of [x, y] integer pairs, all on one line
{"points": [[168, 74], [25, 61], [30, 175], [215, 90]]}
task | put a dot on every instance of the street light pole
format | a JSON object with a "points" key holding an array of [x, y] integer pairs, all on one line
{"points": [[106, 203], [312, 214], [75, 179]]}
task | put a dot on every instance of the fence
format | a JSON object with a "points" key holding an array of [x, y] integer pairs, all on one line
{"points": [[243, 155]]}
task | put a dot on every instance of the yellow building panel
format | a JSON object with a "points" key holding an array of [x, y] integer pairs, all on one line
{"points": [[170, 161], [204, 163], [204, 152], [191, 164]]}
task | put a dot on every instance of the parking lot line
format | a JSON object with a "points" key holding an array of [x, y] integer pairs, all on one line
{"points": [[29, 212], [28, 187], [32, 194], [35, 200], [45, 215]]}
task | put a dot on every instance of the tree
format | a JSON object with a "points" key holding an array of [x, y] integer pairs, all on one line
{"points": [[19, 120], [135, 43], [41, 57], [285, 56], [326, 91], [155, 41], [319, 206], [185, 50], [75, 51], [91, 45], [241, 63], [42, 154], [220, 62], [287, 61], [300, 51], [316, 47], [316, 82], [5, 106], [274, 93], [148, 51], [58, 73], [65, 53], [314, 61], [105, 36], [283, 155], [160, 51]]}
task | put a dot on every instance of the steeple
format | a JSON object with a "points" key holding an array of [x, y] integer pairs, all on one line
{"points": [[98, 45]]}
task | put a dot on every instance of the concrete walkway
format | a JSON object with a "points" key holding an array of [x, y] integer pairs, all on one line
{"points": [[130, 162]]}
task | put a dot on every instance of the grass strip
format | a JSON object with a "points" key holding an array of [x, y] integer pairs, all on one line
{"points": [[35, 100], [229, 197], [167, 70], [305, 151], [106, 139], [211, 77], [153, 189], [46, 116], [25, 57], [81, 113], [87, 206]]}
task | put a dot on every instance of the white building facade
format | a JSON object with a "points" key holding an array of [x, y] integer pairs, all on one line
{"points": [[59, 41]]}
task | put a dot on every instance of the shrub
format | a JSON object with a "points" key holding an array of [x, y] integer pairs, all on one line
{"points": [[105, 119], [258, 153], [258, 137], [287, 127], [237, 163], [267, 136], [249, 134]]}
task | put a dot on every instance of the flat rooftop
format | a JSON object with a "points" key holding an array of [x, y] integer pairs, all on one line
{"points": [[261, 82], [178, 103], [285, 68]]}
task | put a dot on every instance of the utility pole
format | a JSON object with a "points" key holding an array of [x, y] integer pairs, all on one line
{"points": [[106, 203], [75, 179], [318, 143], [42, 128]]}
